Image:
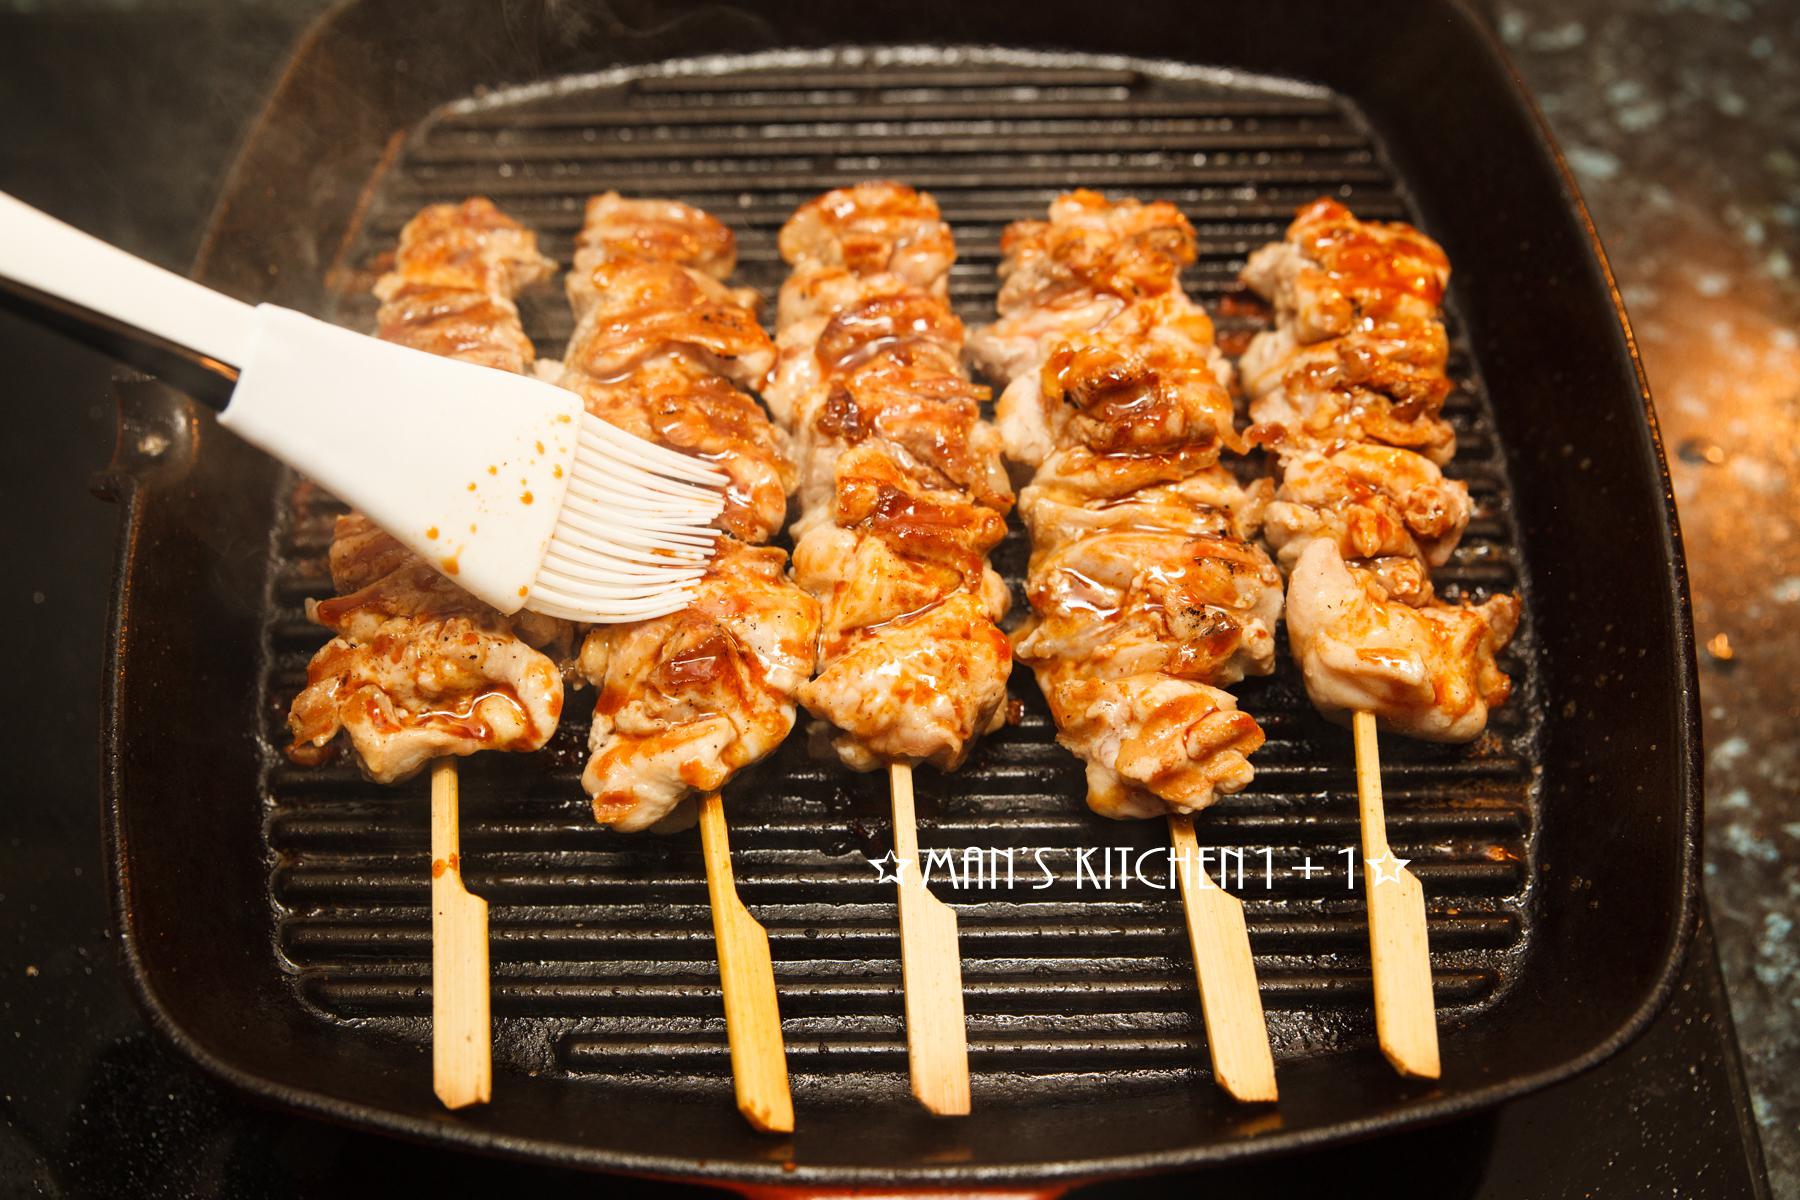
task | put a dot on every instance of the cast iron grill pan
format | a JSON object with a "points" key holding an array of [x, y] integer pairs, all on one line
{"points": [[603, 943], [286, 943]]}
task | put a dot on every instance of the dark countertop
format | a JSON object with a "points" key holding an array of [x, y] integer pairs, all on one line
{"points": [[1678, 120]]}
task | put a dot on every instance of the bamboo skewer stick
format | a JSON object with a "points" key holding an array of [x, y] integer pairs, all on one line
{"points": [[1237, 1036], [747, 975], [937, 1040], [1405, 1012], [462, 1052]]}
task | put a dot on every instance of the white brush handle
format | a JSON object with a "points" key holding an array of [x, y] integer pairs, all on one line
{"points": [[65, 264], [467, 466]]}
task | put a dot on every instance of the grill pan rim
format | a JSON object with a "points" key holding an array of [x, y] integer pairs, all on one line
{"points": [[1685, 662], [136, 494]]}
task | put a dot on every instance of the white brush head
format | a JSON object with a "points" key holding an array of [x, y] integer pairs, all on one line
{"points": [[635, 528], [502, 482]]}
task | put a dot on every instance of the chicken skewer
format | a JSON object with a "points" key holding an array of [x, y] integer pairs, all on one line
{"points": [[417, 670], [1346, 391], [1148, 596], [662, 348], [903, 495]]}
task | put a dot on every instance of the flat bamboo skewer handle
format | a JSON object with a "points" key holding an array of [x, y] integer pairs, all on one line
{"points": [[462, 1052], [747, 975], [1405, 1012], [1237, 1036], [937, 1040]]}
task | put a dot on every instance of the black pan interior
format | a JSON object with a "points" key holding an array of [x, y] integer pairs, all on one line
{"points": [[277, 916]]}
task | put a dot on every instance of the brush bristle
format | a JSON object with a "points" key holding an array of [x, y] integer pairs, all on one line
{"points": [[634, 531]]}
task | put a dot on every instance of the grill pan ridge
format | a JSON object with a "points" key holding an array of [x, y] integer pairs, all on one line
{"points": [[1085, 1033]]}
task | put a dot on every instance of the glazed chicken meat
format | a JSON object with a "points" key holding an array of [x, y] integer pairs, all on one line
{"points": [[663, 351], [903, 492], [873, 230], [1358, 350], [687, 700], [884, 370], [651, 230], [1119, 391], [417, 668], [662, 348], [1371, 501], [1153, 744], [1426, 671], [1148, 594], [1140, 601], [1346, 391], [1080, 270]]}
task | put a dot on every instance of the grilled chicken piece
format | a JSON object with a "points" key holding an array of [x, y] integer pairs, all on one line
{"points": [[879, 329], [411, 689], [1099, 478], [1134, 602], [1359, 346], [929, 424], [456, 323], [1427, 671], [1352, 389], [885, 371], [467, 247], [1012, 347], [889, 547], [920, 688], [1372, 501], [451, 288], [1080, 271], [687, 700], [376, 578], [816, 292], [1403, 362], [362, 552], [1114, 394], [633, 309], [666, 231], [870, 229], [1152, 744], [1093, 246], [798, 385], [1334, 275], [1127, 601], [902, 487], [1208, 503], [661, 348], [914, 666], [418, 668]]}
